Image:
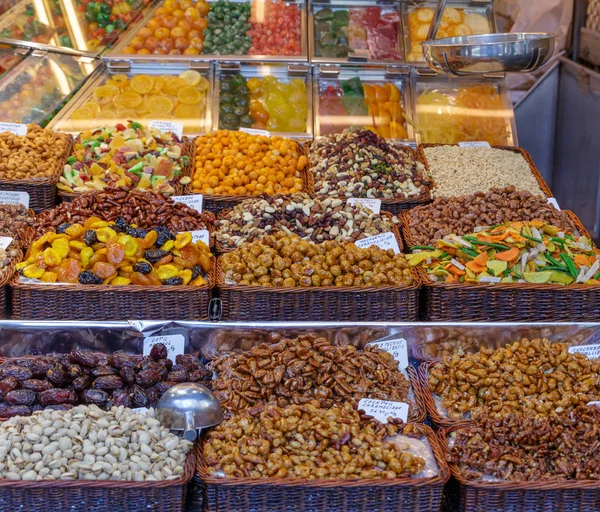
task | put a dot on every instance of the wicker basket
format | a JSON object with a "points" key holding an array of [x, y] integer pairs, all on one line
{"points": [[284, 494], [392, 205], [221, 249], [105, 302], [325, 303], [534, 170], [542, 496], [6, 275], [42, 191], [188, 149], [97, 496]]}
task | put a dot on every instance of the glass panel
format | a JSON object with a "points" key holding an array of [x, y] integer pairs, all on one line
{"points": [[9, 59]]}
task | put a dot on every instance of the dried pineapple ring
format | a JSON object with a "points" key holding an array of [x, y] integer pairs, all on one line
{"points": [[425, 15], [452, 16]]}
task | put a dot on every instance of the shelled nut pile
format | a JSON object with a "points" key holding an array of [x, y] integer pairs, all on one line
{"points": [[524, 448], [461, 215], [281, 260], [296, 371], [310, 218], [362, 164], [308, 441], [88, 443], [528, 376], [14, 220]]}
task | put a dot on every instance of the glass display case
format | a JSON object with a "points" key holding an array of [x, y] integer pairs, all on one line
{"points": [[10, 57], [221, 30], [37, 87], [459, 19], [143, 91], [82, 25], [343, 31], [272, 97], [449, 110], [374, 97]]}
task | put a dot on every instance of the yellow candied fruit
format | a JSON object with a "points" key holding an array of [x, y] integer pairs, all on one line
{"points": [[33, 272], [61, 246], [131, 245], [186, 275], [74, 230], [168, 245], [183, 239], [127, 268], [106, 234], [120, 281], [167, 272], [49, 277], [150, 238], [199, 281], [51, 257], [75, 244], [85, 255], [99, 224], [23, 264]]}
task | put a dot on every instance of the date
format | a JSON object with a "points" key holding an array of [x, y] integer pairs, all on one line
{"points": [[57, 397], [108, 382], [20, 397]]}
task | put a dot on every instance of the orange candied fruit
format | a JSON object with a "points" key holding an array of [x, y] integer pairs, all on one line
{"points": [[240, 164]]}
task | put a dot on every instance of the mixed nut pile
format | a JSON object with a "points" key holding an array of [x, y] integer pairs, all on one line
{"points": [[298, 371], [310, 218], [81, 377], [15, 221], [362, 164], [308, 441], [461, 215], [287, 260]]}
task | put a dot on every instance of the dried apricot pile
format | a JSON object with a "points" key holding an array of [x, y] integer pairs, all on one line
{"points": [[237, 163], [99, 252]]}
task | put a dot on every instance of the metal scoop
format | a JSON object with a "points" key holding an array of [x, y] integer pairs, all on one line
{"points": [[188, 407]]}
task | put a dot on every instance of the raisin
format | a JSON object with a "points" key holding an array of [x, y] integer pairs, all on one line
{"points": [[83, 358], [143, 267], [90, 237], [8, 411], [62, 228], [57, 397], [137, 232], [200, 375], [81, 383], [88, 277], [100, 371], [121, 360], [19, 373], [164, 235], [58, 375], [8, 384], [173, 281], [20, 397], [153, 395], [128, 375], [139, 396], [162, 387], [74, 370], [108, 382], [147, 377], [121, 225], [121, 397], [159, 351], [179, 376], [154, 255], [94, 396], [36, 385], [197, 271]]}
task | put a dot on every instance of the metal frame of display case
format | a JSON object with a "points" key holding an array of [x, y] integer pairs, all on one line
{"points": [[354, 58], [148, 12], [150, 65], [260, 69]]}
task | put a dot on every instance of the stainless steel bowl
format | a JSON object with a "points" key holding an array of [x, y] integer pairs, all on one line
{"points": [[489, 53]]}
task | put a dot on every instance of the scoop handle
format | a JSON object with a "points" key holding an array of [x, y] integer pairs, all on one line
{"points": [[190, 427]]}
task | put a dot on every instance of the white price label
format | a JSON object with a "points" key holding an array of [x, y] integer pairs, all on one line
{"points": [[5, 242], [474, 144], [194, 201], [372, 204], [167, 126], [201, 236], [17, 129], [141, 410], [175, 344], [398, 348], [254, 131], [385, 241], [594, 403], [381, 410], [592, 351], [554, 202], [14, 197]]}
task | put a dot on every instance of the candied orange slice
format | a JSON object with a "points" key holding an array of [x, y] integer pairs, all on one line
{"points": [[106, 114], [92, 105], [191, 77], [189, 95], [83, 113], [142, 84], [159, 83], [160, 105], [128, 99], [126, 113], [393, 93], [184, 111], [105, 93], [119, 78], [173, 84]]}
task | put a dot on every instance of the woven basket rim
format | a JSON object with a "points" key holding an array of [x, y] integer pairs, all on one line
{"points": [[222, 249], [188, 149], [7, 273], [48, 180], [220, 283], [524, 153], [510, 486], [37, 485], [419, 411], [437, 448]]}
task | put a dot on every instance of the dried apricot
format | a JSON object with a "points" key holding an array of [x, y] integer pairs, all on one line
{"points": [[61, 246], [115, 252], [51, 257], [104, 270], [68, 271]]}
